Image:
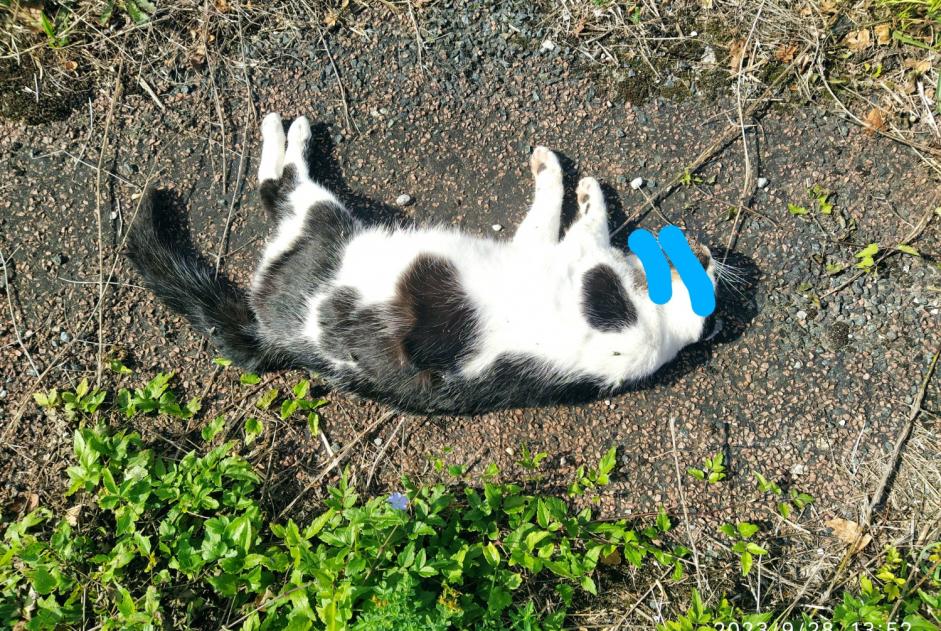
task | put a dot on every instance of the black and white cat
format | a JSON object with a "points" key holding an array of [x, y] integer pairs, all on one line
{"points": [[427, 319]]}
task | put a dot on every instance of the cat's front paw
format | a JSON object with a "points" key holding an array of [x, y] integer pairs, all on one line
{"points": [[544, 162]]}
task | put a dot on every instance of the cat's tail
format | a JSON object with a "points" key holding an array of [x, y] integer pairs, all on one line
{"points": [[190, 286]]}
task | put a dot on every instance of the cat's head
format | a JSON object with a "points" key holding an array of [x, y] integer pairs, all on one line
{"points": [[684, 326]]}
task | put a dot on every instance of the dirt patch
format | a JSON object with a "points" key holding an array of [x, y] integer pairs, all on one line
{"points": [[18, 95]]}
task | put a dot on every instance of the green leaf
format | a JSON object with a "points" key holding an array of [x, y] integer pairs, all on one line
{"points": [[746, 561], [755, 549], [907, 249], [834, 268], [796, 210], [696, 473], [491, 555], [118, 367], [212, 428], [313, 423], [663, 521], [253, 427], [288, 407], [588, 585], [746, 529], [43, 581], [264, 401], [608, 461], [301, 389], [249, 379], [222, 361], [239, 532], [865, 263], [868, 252], [728, 530]]}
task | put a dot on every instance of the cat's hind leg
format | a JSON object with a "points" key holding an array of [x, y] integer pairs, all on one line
{"points": [[295, 202], [541, 224], [591, 226]]}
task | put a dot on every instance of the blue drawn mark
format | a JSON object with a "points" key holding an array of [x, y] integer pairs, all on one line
{"points": [[659, 279], [656, 268], [701, 292]]}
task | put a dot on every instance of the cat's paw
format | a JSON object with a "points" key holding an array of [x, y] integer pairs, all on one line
{"points": [[544, 162], [271, 125], [272, 148], [589, 195]]}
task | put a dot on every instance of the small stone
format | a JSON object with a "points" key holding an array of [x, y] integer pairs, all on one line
{"points": [[708, 57], [496, 227], [377, 441], [801, 315], [548, 45], [798, 469], [404, 199], [762, 182], [637, 183], [64, 337]]}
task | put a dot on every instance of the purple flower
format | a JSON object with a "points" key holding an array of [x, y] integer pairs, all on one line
{"points": [[398, 501]]}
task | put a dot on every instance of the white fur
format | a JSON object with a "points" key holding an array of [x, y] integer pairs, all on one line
{"points": [[527, 292]]}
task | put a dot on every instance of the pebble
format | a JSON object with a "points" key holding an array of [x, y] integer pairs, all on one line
{"points": [[64, 337], [637, 183], [496, 227], [404, 199], [762, 182]]}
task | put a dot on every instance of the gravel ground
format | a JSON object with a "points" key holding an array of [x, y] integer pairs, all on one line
{"points": [[807, 392]]}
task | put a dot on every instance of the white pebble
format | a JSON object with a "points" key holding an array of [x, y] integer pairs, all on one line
{"points": [[798, 469], [548, 45], [403, 199], [496, 227], [762, 182], [637, 183], [801, 314]]}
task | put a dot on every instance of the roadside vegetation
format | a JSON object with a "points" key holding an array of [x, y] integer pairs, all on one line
{"points": [[153, 536]]}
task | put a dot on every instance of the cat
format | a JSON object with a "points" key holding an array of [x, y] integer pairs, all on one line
{"points": [[428, 320]]}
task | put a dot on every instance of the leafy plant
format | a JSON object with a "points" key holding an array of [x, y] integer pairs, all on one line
{"points": [[588, 479], [82, 400], [823, 199], [530, 461], [139, 11], [745, 549], [427, 557], [55, 27], [713, 470], [156, 397]]}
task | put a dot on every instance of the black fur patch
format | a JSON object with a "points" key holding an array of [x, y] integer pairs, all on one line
{"points": [[438, 322], [274, 193], [310, 261], [606, 305]]}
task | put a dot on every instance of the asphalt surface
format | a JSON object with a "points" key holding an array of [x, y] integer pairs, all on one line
{"points": [[808, 393]]}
